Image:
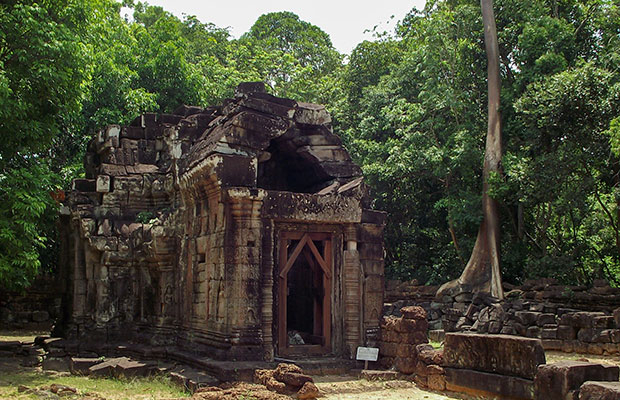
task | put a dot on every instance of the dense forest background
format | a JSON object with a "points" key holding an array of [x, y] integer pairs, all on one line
{"points": [[410, 106]]}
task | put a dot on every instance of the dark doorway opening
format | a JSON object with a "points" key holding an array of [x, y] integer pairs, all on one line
{"points": [[304, 317], [304, 300]]}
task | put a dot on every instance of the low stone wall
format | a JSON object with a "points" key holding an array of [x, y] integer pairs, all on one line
{"points": [[497, 365], [402, 294], [403, 346], [400, 336], [566, 318], [36, 308]]}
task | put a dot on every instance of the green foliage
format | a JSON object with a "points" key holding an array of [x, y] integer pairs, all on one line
{"points": [[297, 59], [415, 118], [284, 32], [42, 77], [614, 135], [572, 179], [144, 217], [41, 73], [24, 201]]}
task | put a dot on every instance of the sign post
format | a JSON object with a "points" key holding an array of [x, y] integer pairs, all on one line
{"points": [[367, 354]]}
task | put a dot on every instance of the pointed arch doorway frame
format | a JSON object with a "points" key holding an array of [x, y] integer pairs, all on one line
{"points": [[314, 250]]}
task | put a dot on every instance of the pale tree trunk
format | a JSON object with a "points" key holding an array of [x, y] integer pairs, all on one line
{"points": [[482, 272]]}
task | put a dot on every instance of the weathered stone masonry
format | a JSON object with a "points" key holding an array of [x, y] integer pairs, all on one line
{"points": [[230, 230]]}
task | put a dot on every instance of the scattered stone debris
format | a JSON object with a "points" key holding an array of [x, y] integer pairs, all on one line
{"points": [[53, 392], [577, 319], [287, 379]]}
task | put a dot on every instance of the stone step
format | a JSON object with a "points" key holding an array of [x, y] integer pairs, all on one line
{"points": [[378, 375], [323, 366], [225, 371]]}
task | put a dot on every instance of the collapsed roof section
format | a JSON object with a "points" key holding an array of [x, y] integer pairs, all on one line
{"points": [[292, 142]]}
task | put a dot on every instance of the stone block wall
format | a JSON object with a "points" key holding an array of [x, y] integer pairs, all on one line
{"points": [[565, 318], [404, 347], [38, 307], [400, 336]]}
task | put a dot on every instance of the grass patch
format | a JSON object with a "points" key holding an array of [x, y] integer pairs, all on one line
{"points": [[436, 345], [151, 388]]}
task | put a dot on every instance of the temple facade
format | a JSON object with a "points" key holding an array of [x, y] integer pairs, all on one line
{"points": [[242, 232]]}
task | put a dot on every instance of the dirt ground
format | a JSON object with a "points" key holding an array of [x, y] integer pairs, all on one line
{"points": [[351, 388], [555, 356]]}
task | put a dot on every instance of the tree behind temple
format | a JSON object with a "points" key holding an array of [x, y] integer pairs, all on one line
{"points": [[482, 272]]}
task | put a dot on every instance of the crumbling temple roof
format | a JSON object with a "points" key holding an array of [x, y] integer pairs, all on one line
{"points": [[292, 141]]}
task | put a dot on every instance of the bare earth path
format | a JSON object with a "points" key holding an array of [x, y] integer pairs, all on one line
{"points": [[350, 388]]}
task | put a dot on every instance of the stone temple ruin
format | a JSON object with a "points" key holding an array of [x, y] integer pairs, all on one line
{"points": [[242, 232]]}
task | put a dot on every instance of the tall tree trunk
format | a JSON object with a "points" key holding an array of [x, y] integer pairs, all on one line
{"points": [[482, 272]]}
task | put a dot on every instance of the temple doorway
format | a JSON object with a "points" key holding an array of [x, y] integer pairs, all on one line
{"points": [[304, 293]]}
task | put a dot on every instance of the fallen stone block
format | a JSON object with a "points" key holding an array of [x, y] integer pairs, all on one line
{"points": [[429, 355], [263, 375], [308, 391], [292, 378], [599, 391], [479, 383], [131, 368], [62, 390], [557, 380], [39, 393], [80, 365], [497, 354], [277, 386], [53, 342], [106, 368], [406, 365], [413, 312], [527, 317]]}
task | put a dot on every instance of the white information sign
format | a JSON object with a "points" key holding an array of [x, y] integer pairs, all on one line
{"points": [[367, 353]]}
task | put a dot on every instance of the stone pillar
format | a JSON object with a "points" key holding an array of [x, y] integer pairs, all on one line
{"points": [[352, 292], [267, 293], [79, 277], [243, 268], [370, 235]]}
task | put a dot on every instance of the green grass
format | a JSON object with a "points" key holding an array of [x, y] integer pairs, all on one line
{"points": [[436, 345], [152, 388], [12, 375]]}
